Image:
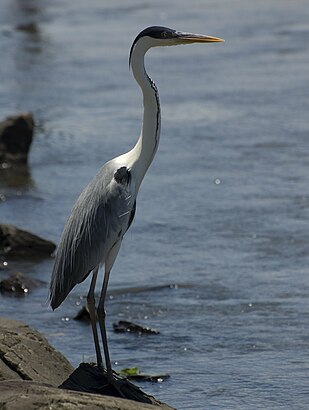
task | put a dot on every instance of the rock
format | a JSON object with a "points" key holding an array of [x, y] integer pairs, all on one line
{"points": [[124, 326], [31, 370], [83, 315], [26, 355], [15, 242], [19, 284], [17, 176], [25, 395], [30, 28], [133, 373], [89, 378], [16, 134], [153, 378]]}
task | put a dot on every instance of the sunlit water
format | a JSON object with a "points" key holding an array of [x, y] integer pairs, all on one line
{"points": [[223, 212]]}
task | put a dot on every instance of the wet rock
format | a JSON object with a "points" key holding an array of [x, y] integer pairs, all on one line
{"points": [[89, 378], [16, 134], [31, 370], [134, 374], [83, 315], [30, 28], [15, 242], [153, 378], [17, 176], [19, 284], [124, 326]]}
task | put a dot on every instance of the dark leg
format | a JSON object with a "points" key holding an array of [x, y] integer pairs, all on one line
{"points": [[93, 316], [101, 308], [101, 317]]}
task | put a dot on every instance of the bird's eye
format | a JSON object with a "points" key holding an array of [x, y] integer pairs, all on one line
{"points": [[165, 34]]}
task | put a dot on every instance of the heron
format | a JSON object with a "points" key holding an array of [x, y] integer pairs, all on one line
{"points": [[105, 209]]}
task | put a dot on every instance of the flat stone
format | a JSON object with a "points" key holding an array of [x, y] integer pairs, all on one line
{"points": [[27, 395], [26, 355]]}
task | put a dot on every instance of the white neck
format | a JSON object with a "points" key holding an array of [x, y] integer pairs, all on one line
{"points": [[141, 156]]}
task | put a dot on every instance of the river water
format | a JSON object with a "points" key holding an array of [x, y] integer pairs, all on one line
{"points": [[217, 257]]}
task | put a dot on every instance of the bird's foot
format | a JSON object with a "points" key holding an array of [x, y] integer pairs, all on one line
{"points": [[113, 385], [116, 386], [119, 385]]}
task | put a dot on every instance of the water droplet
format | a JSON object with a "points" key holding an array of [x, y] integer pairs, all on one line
{"points": [[217, 181]]}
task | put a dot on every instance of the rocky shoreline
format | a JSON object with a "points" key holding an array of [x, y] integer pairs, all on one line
{"points": [[31, 371]]}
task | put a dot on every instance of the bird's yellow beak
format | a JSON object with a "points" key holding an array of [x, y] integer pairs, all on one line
{"points": [[188, 38]]}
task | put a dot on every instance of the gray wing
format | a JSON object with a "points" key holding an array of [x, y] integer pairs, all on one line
{"points": [[100, 217]]}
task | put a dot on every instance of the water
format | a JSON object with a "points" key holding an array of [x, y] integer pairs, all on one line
{"points": [[223, 212]]}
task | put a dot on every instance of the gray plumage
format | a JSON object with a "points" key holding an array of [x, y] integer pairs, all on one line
{"points": [[100, 217]]}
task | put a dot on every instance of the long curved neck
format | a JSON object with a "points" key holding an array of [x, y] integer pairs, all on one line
{"points": [[144, 150]]}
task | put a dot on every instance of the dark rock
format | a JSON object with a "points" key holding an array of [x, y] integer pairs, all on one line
{"points": [[17, 176], [124, 326], [90, 378], [154, 378], [15, 242], [83, 315], [16, 134], [30, 28], [19, 284]]}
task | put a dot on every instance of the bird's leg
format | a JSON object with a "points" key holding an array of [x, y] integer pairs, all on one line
{"points": [[93, 316], [101, 308], [117, 384], [101, 317]]}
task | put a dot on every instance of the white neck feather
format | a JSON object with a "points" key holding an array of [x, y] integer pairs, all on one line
{"points": [[141, 156]]}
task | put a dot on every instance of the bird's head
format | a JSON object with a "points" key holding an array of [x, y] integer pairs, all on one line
{"points": [[156, 36]]}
